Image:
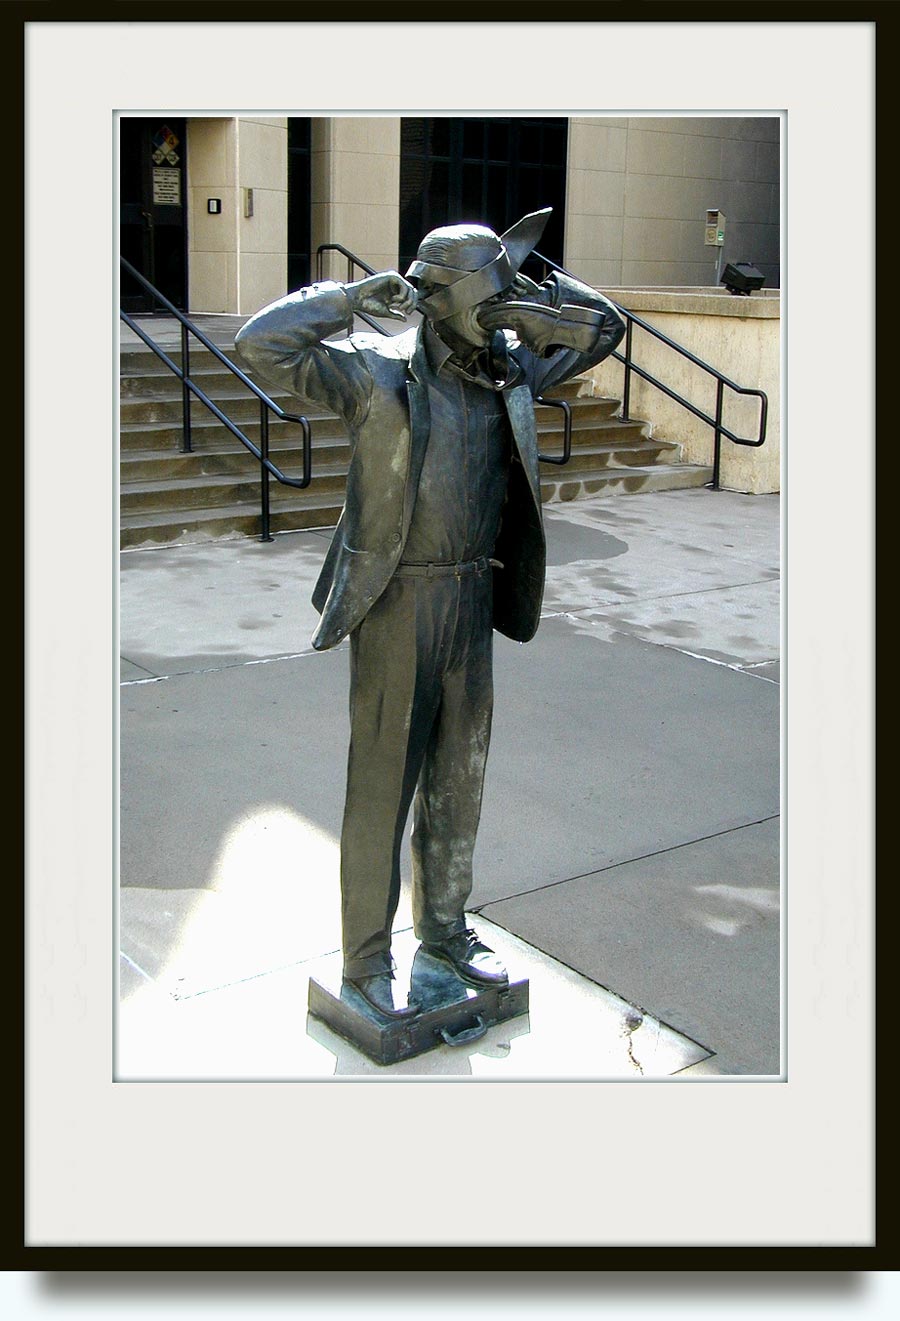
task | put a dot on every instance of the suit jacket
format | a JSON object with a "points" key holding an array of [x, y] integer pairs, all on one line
{"points": [[375, 383]]}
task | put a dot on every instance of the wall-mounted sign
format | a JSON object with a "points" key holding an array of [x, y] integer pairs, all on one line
{"points": [[164, 144], [714, 233], [166, 186]]}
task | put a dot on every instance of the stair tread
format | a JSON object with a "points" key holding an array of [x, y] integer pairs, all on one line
{"points": [[595, 474], [635, 443], [566, 472], [287, 445], [611, 474], [231, 388], [208, 423], [278, 453], [223, 449], [219, 479], [213, 513], [331, 468]]}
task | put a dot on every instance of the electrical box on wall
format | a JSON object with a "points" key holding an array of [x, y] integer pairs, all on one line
{"points": [[248, 202], [715, 229]]}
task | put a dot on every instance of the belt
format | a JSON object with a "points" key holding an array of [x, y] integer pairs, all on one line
{"points": [[405, 570]]}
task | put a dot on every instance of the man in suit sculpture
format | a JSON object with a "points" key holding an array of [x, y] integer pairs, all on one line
{"points": [[440, 541]]}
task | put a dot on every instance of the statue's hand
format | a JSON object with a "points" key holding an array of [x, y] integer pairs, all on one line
{"points": [[522, 287], [386, 295]]}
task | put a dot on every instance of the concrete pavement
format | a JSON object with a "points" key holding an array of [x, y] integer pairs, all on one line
{"points": [[630, 833]]}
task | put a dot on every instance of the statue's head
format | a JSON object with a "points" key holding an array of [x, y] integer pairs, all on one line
{"points": [[459, 268]]}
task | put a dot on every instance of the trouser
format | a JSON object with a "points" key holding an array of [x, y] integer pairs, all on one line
{"points": [[421, 698]]}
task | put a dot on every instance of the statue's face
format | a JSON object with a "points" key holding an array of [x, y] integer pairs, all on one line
{"points": [[464, 332], [467, 248]]}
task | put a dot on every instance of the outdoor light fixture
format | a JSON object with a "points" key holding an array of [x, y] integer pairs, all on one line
{"points": [[742, 278]]}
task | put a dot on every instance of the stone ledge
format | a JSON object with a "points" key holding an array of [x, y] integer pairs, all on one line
{"points": [[764, 303]]}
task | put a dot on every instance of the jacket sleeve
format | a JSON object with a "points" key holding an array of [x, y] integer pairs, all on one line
{"points": [[286, 345], [579, 329]]}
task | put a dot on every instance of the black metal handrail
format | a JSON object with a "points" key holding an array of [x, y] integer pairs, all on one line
{"points": [[719, 429], [188, 387], [567, 429], [354, 260]]}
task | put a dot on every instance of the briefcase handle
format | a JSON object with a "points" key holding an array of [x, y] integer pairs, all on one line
{"points": [[466, 1034]]}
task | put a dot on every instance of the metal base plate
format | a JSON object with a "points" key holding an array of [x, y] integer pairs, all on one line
{"points": [[452, 1012]]}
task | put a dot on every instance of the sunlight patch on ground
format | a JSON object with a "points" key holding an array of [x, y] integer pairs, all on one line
{"points": [[738, 907]]}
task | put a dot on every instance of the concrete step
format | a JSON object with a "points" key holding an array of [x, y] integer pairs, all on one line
{"points": [[152, 388], [165, 432], [590, 449], [169, 527], [214, 490], [165, 385], [570, 484], [577, 387], [586, 410], [208, 432], [234, 399], [240, 404], [149, 465], [143, 363], [610, 454], [211, 487]]}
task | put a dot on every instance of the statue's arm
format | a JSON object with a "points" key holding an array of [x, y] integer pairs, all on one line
{"points": [[287, 345], [567, 327]]}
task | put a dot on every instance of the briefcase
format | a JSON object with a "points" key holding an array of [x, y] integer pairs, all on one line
{"points": [[452, 1012]]}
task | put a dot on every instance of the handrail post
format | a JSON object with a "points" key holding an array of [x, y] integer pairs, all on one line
{"points": [[717, 455], [567, 430], [264, 471], [186, 445], [626, 389]]}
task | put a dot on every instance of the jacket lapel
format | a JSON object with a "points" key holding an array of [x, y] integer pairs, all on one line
{"points": [[520, 409]]}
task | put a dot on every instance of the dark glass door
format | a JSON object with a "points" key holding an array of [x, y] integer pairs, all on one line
{"points": [[299, 214], [153, 200], [491, 171]]}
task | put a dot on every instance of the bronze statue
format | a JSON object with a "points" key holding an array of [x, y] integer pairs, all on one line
{"points": [[440, 541]]}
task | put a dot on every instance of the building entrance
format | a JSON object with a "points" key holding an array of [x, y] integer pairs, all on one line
{"points": [[152, 199], [488, 170]]}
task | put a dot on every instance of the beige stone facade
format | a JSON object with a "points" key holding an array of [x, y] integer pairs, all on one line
{"points": [[237, 261], [356, 190], [637, 192], [638, 189]]}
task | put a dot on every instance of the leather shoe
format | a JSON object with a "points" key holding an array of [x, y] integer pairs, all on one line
{"points": [[378, 991], [469, 958]]}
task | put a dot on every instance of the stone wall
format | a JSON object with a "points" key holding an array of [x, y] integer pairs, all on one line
{"points": [[236, 262], [639, 188], [738, 335], [356, 190]]}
